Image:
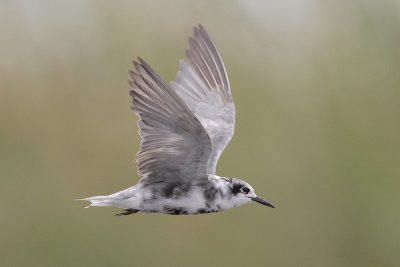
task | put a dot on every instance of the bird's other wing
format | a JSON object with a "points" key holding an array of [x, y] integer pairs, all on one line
{"points": [[175, 146], [203, 84]]}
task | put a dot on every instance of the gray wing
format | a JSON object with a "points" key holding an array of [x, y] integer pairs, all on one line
{"points": [[203, 85], [175, 146]]}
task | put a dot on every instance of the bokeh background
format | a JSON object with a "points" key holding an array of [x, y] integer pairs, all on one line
{"points": [[317, 90]]}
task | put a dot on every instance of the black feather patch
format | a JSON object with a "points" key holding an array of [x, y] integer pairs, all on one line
{"points": [[236, 188]]}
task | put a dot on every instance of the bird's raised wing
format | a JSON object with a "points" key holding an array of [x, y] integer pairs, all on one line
{"points": [[175, 146], [203, 85]]}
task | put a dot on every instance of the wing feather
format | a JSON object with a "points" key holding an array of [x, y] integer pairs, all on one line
{"points": [[202, 83], [175, 146]]}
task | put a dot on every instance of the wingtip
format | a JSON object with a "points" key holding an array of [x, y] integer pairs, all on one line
{"points": [[195, 29], [198, 27], [142, 66], [199, 30], [137, 64], [142, 61]]}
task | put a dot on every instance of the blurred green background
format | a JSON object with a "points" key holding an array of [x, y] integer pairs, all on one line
{"points": [[317, 90]]}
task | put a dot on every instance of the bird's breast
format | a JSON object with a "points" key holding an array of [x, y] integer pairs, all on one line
{"points": [[194, 202]]}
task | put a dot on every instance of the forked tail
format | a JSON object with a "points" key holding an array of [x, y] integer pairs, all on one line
{"points": [[102, 201]]}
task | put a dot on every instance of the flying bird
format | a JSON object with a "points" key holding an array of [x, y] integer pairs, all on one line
{"points": [[184, 128]]}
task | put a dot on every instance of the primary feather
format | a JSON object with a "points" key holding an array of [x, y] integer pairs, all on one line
{"points": [[202, 83]]}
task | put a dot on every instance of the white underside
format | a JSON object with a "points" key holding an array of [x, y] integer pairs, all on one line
{"points": [[133, 198]]}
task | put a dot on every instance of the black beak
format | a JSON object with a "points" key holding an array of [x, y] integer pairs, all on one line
{"points": [[262, 201]]}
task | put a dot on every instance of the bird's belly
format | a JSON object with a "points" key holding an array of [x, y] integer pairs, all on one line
{"points": [[192, 204]]}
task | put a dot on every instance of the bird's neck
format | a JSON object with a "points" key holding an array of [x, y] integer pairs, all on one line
{"points": [[222, 184]]}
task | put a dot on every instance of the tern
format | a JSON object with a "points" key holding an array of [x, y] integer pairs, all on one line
{"points": [[184, 128]]}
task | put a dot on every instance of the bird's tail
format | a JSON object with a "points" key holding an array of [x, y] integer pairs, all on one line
{"points": [[101, 201]]}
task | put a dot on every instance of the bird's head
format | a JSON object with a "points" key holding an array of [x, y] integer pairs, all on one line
{"points": [[245, 192]]}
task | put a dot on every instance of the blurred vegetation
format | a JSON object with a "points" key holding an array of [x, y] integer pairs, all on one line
{"points": [[317, 89]]}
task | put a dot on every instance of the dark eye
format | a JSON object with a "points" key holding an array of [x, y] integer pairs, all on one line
{"points": [[245, 190]]}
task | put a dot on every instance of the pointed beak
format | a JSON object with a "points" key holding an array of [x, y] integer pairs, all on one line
{"points": [[262, 201]]}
